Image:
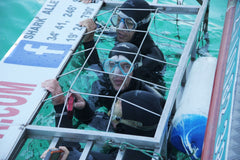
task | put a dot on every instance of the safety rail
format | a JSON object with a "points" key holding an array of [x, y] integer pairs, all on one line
{"points": [[220, 129]]}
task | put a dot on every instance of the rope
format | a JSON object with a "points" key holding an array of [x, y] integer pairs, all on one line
{"points": [[126, 145], [189, 156]]}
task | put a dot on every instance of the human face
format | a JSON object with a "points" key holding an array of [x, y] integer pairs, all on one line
{"points": [[117, 117], [122, 21], [117, 113], [117, 80], [124, 36]]}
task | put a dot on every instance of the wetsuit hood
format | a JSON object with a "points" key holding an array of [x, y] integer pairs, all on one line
{"points": [[138, 16], [136, 4], [120, 48], [147, 101]]}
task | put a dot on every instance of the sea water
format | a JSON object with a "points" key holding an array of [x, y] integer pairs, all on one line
{"points": [[15, 16]]}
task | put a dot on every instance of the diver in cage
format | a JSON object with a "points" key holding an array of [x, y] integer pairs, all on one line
{"points": [[128, 24], [136, 112], [118, 66]]}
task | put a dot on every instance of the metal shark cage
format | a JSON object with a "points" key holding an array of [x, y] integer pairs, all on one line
{"points": [[174, 89]]}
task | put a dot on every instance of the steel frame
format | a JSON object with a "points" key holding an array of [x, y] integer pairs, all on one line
{"points": [[92, 137]]}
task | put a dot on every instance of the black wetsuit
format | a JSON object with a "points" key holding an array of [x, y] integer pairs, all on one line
{"points": [[103, 87], [97, 120], [152, 71]]}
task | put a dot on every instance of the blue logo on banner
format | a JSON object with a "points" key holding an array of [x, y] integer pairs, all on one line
{"points": [[39, 54]]}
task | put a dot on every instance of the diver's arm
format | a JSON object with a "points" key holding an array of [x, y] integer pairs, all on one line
{"points": [[93, 59], [88, 41], [84, 115]]}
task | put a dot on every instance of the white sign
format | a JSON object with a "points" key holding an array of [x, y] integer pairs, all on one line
{"points": [[39, 54]]}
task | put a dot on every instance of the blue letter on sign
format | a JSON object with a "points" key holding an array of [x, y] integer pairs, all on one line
{"points": [[38, 54]]}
